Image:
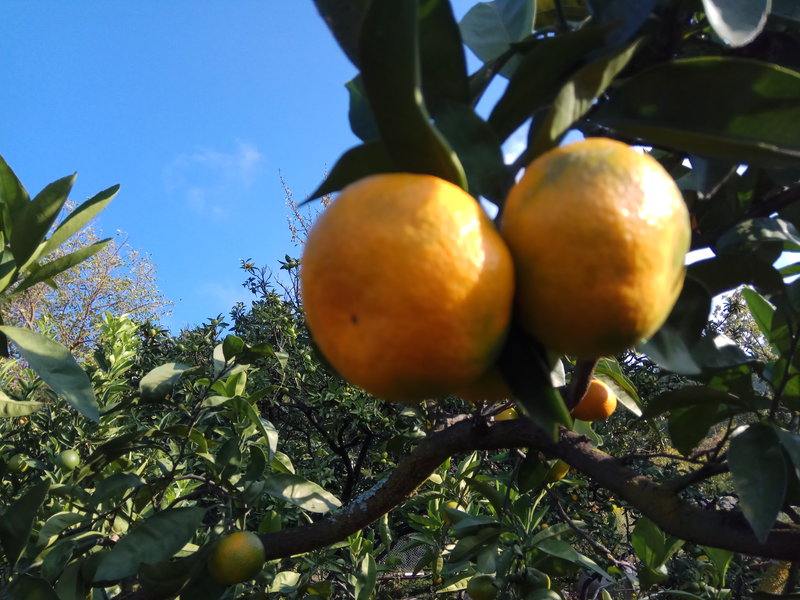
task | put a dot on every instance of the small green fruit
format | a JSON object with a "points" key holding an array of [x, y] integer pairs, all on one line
{"points": [[482, 587], [68, 460], [18, 463]]}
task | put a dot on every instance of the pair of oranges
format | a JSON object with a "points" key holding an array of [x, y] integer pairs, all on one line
{"points": [[409, 287]]}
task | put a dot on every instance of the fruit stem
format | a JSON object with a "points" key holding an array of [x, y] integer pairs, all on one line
{"points": [[579, 384]]}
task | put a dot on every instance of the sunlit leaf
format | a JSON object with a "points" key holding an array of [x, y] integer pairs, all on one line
{"points": [[301, 492], [737, 22], [16, 522], [158, 382]]}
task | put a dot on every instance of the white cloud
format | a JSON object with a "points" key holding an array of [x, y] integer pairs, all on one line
{"points": [[205, 177]]}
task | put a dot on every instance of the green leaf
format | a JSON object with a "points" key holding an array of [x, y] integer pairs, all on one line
{"points": [[367, 159], [344, 18], [750, 115], [490, 28], [15, 408], [158, 382], [751, 234], [576, 97], [152, 540], [31, 223], [758, 469], [55, 525], [267, 429], [284, 582], [301, 492], [729, 271], [16, 522], [648, 542], [620, 383], [478, 149], [721, 559], [628, 16], [362, 122], [78, 218], [53, 268], [366, 578], [232, 345], [791, 445], [692, 395], [166, 579], [444, 66], [57, 368], [689, 425], [13, 196], [390, 69], [541, 76], [737, 22], [27, 587]]}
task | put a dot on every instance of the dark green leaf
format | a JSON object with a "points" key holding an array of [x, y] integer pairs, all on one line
{"points": [[157, 383], [390, 69], [750, 115], [750, 234], [78, 218], [13, 196], [153, 540], [758, 469], [721, 560], [444, 67], [541, 75], [16, 523], [232, 345], [692, 395], [671, 345], [524, 365], [688, 426], [791, 445], [737, 22], [344, 18], [27, 587], [627, 16], [57, 368], [478, 149], [787, 9], [166, 579], [31, 223], [371, 158], [723, 273], [59, 265], [301, 492], [576, 97], [56, 524]]}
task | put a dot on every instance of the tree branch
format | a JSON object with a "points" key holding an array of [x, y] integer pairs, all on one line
{"points": [[676, 516]]}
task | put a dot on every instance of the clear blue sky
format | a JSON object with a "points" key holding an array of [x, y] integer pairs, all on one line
{"points": [[195, 107]]}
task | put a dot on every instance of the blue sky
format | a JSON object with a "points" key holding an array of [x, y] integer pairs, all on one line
{"points": [[197, 108]]}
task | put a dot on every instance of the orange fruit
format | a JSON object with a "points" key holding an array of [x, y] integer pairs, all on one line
{"points": [[507, 415], [491, 388], [558, 470], [598, 403], [407, 286], [598, 233], [237, 557]]}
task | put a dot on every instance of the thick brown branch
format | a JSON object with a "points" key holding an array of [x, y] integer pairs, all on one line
{"points": [[720, 529]]}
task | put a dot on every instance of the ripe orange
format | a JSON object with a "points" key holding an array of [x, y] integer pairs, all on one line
{"points": [[558, 470], [237, 557], [598, 403], [598, 233], [407, 286]]}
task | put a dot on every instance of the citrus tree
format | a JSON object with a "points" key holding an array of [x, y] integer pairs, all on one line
{"points": [[184, 443]]}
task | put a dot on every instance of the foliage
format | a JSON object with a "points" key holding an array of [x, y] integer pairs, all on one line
{"points": [[688, 491]]}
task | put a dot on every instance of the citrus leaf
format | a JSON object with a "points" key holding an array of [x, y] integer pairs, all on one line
{"points": [[648, 542], [689, 425], [344, 19], [489, 28], [57, 368], [78, 218], [51, 269], [791, 445], [750, 115], [627, 16], [153, 540], [367, 159], [693, 395], [301, 492], [444, 66], [27, 587], [478, 149], [16, 408], [758, 468], [737, 22], [365, 578], [267, 429], [16, 523], [158, 382], [576, 97], [32, 222], [362, 122], [390, 69], [13, 196], [753, 233], [541, 75]]}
